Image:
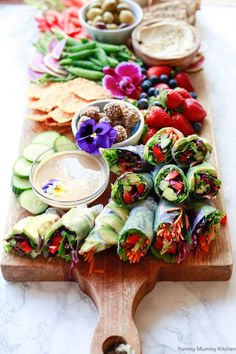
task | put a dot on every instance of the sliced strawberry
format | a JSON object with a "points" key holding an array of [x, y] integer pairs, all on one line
{"points": [[172, 175], [184, 93], [24, 245], [159, 155], [141, 188], [127, 197], [172, 248], [183, 80], [134, 238], [193, 110], [158, 243], [159, 70], [157, 117], [182, 124]]}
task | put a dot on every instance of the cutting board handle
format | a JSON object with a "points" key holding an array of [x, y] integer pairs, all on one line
{"points": [[116, 299]]}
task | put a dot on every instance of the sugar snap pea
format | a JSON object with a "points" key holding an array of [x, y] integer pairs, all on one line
{"points": [[66, 61], [102, 57], [112, 62], [109, 48], [80, 47], [86, 64], [95, 61], [79, 55], [87, 74]]}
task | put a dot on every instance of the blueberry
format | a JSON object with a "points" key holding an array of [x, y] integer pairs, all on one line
{"points": [[143, 95], [143, 70], [193, 94], [145, 85], [172, 83], [157, 103], [156, 92], [164, 78], [154, 80], [143, 103], [197, 126], [151, 91]]}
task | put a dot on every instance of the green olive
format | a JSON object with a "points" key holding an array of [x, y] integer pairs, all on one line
{"points": [[108, 5], [92, 13], [126, 16], [108, 17], [97, 19], [111, 26], [122, 6]]}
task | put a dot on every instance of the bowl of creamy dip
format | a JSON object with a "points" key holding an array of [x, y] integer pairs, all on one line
{"points": [[166, 42], [67, 179]]}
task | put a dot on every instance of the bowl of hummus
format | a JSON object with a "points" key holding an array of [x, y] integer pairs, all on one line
{"points": [[166, 42], [69, 178]]}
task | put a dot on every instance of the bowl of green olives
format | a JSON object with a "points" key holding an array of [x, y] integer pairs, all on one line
{"points": [[110, 21]]}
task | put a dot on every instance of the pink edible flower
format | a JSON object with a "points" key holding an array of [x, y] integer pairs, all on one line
{"points": [[124, 80]]}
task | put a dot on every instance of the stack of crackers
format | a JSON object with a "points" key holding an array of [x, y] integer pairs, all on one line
{"points": [[54, 105], [183, 10]]}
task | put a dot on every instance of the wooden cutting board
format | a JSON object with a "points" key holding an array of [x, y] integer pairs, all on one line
{"points": [[116, 287]]}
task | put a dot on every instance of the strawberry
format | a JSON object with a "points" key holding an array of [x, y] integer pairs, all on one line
{"points": [[149, 133], [183, 80], [158, 118], [173, 99], [162, 86], [182, 124], [184, 93], [159, 70], [193, 110]]}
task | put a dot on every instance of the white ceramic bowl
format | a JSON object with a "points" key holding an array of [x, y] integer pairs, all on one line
{"points": [[132, 140], [117, 36]]}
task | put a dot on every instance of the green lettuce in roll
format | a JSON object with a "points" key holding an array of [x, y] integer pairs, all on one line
{"points": [[105, 234], [171, 184], [158, 148], [137, 234], [205, 223], [131, 188], [26, 237], [203, 181], [65, 236], [172, 241], [189, 150]]}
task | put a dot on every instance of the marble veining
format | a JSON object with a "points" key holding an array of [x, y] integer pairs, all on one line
{"points": [[57, 318]]}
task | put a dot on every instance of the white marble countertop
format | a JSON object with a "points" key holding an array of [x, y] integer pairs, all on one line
{"points": [[57, 318]]}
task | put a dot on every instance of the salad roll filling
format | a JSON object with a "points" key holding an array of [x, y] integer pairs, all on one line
{"points": [[158, 149], [135, 247], [206, 186], [190, 150], [62, 243], [130, 188], [20, 245], [170, 183]]}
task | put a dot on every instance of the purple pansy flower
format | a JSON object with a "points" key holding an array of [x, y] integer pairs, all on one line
{"points": [[54, 187], [91, 136], [124, 80]]}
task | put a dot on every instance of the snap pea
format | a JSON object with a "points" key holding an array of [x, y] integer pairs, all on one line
{"points": [[61, 35], [84, 40], [86, 64], [112, 62], [66, 61], [109, 48], [79, 55], [102, 57], [80, 47], [87, 74], [95, 61]]}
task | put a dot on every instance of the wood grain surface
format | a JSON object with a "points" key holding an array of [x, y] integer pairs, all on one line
{"points": [[116, 287]]}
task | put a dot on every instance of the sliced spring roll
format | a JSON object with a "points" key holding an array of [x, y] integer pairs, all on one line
{"points": [[26, 237], [136, 236], [203, 181], [171, 184], [205, 223], [190, 150], [131, 188], [158, 148], [172, 240], [65, 236], [125, 159], [105, 234]]}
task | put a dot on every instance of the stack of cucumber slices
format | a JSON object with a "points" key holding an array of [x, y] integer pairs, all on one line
{"points": [[49, 141]]}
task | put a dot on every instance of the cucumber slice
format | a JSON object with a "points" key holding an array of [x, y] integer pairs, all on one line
{"points": [[46, 138], [22, 167], [63, 143], [29, 201], [20, 185], [32, 151]]}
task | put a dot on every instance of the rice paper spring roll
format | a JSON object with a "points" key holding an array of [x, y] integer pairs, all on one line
{"points": [[205, 223], [203, 181], [190, 150], [105, 234], [65, 236], [171, 184], [172, 241], [131, 188], [125, 159], [137, 234], [158, 148], [26, 237]]}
